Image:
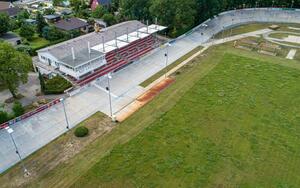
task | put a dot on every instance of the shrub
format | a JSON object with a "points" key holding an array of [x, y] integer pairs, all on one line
{"points": [[18, 109], [52, 34], [56, 85], [81, 131], [4, 117], [25, 49]]}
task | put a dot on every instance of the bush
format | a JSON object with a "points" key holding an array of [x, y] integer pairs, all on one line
{"points": [[51, 33], [18, 109], [25, 49], [56, 85], [81, 131], [4, 117]]}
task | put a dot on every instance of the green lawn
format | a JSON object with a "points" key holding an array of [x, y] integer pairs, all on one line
{"points": [[38, 42], [237, 127], [231, 119]]}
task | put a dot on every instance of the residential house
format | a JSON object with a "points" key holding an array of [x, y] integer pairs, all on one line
{"points": [[72, 24], [9, 8], [95, 3]]}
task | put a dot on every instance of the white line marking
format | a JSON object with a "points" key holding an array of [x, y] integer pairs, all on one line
{"points": [[102, 89]]}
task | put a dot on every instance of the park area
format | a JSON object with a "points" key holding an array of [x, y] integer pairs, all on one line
{"points": [[231, 119]]}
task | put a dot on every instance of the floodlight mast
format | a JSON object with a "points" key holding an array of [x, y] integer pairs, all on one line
{"points": [[10, 131], [167, 58], [109, 94], [65, 113]]}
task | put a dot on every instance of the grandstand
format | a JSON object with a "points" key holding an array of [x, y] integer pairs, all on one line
{"points": [[91, 56]]}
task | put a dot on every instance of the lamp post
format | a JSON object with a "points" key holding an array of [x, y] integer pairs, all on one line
{"points": [[231, 27], [10, 131], [62, 100], [167, 58], [109, 94], [273, 3], [292, 3]]}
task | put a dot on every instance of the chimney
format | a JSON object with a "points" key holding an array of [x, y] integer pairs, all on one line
{"points": [[137, 30], [89, 48], [147, 26], [73, 53], [116, 39], [103, 45], [156, 23], [127, 34]]}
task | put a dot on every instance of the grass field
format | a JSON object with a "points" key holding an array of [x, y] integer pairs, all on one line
{"points": [[237, 127], [230, 120]]}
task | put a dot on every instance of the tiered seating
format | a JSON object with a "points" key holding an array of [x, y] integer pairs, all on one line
{"points": [[119, 58]]}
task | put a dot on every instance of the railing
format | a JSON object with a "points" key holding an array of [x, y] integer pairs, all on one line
{"points": [[29, 114]]}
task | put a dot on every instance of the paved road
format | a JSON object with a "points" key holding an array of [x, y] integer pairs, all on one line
{"points": [[35, 132]]}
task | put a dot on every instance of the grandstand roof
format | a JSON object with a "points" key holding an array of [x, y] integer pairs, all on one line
{"points": [[63, 51]]}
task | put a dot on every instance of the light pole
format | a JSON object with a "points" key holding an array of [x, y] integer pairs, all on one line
{"points": [[273, 3], [167, 58], [292, 3], [231, 27], [223, 31], [10, 131], [62, 100], [109, 94]]}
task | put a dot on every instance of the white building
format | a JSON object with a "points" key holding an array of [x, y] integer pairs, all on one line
{"points": [[83, 55]]}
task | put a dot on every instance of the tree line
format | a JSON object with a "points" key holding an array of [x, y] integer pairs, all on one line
{"points": [[182, 15]]}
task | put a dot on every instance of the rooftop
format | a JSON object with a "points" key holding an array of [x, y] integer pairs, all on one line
{"points": [[13, 11], [70, 24], [62, 51], [5, 5], [51, 16], [10, 37]]}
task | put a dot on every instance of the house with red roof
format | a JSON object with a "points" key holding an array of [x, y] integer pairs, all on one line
{"points": [[95, 3]]}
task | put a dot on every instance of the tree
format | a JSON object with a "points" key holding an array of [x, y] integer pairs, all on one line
{"points": [[136, 9], [14, 67], [49, 11], [23, 15], [18, 109], [27, 31], [41, 23], [98, 12], [109, 19], [57, 2], [80, 8], [5, 23], [51, 33]]}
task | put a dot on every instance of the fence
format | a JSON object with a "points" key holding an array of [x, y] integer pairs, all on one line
{"points": [[29, 114]]}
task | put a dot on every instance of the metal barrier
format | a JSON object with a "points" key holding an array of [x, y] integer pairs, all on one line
{"points": [[29, 114]]}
